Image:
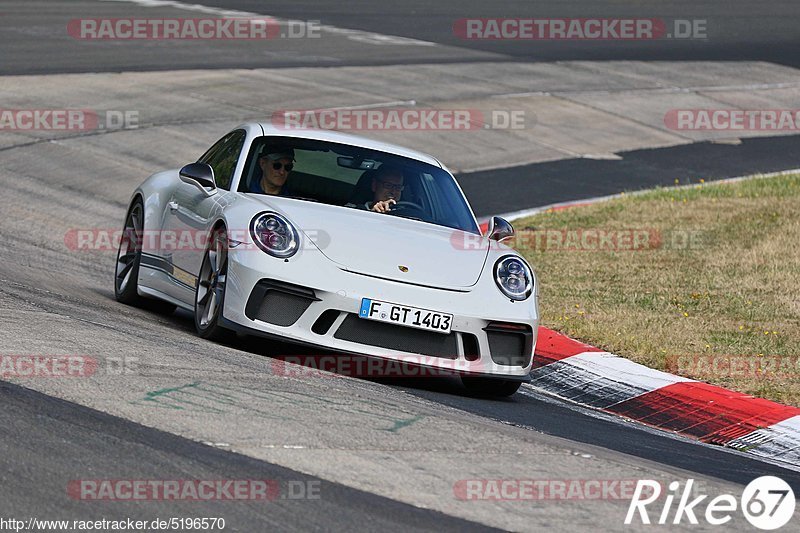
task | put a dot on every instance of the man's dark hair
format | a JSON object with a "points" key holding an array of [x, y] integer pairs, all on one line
{"points": [[388, 170]]}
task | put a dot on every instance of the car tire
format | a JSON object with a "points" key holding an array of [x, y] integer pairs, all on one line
{"points": [[481, 386], [129, 257], [210, 289]]}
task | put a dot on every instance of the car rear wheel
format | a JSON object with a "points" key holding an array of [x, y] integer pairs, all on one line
{"points": [[210, 290], [129, 257], [481, 386]]}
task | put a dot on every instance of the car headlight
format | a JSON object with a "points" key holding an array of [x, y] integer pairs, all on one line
{"points": [[513, 277], [274, 234]]}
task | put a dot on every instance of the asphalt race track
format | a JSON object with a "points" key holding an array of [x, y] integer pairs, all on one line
{"points": [[94, 440], [365, 454], [734, 34], [579, 178]]}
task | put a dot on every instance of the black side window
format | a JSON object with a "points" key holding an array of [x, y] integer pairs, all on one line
{"points": [[223, 157]]}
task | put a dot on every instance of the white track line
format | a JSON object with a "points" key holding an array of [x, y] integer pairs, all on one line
{"points": [[366, 37]]}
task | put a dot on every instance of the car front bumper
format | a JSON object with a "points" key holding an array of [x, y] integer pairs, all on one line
{"points": [[312, 301]]}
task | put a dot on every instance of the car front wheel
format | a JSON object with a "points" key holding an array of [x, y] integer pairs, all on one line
{"points": [[210, 290], [129, 257]]}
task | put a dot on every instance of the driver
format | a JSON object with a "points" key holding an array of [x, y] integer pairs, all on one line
{"points": [[275, 167], [387, 187]]}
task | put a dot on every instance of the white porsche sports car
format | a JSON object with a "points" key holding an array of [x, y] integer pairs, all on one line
{"points": [[336, 242]]}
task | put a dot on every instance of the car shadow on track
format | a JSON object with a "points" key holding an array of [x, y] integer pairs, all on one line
{"points": [[527, 409], [302, 361]]}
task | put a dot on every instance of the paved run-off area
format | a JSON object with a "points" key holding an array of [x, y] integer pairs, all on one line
{"points": [[562, 110]]}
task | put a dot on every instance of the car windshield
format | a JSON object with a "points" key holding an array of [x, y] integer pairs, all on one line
{"points": [[356, 178]]}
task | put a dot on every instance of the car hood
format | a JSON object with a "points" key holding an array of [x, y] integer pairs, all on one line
{"points": [[387, 246]]}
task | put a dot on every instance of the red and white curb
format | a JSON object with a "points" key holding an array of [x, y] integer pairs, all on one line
{"points": [[593, 378]]}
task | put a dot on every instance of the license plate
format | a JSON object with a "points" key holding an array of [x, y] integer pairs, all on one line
{"points": [[405, 315]]}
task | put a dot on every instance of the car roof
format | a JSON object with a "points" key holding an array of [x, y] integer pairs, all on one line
{"points": [[346, 138]]}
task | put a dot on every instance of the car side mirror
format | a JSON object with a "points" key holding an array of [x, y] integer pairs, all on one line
{"points": [[201, 175], [499, 229]]}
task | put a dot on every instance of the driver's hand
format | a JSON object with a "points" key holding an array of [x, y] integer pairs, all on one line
{"points": [[384, 206]]}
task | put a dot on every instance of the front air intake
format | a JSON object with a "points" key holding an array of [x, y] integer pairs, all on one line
{"points": [[278, 303], [510, 344]]}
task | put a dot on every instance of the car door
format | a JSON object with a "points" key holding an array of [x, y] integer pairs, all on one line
{"points": [[190, 212]]}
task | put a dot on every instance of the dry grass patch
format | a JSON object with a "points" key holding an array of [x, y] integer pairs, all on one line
{"points": [[701, 281]]}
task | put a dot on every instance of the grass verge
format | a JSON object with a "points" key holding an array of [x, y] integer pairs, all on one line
{"points": [[701, 281]]}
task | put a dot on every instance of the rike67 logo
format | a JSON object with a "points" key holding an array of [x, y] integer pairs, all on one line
{"points": [[767, 502]]}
